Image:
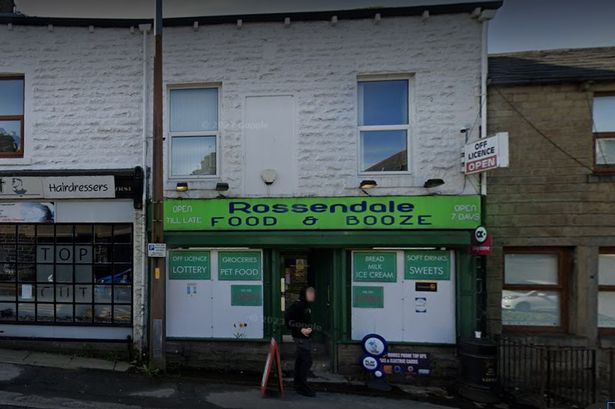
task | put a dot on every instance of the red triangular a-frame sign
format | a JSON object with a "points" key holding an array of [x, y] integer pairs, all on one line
{"points": [[272, 357]]}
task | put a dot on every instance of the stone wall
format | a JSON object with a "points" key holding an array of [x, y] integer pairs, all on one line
{"points": [[547, 198], [83, 109], [319, 65]]}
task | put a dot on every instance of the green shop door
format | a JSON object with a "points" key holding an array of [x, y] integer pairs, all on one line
{"points": [[313, 268]]}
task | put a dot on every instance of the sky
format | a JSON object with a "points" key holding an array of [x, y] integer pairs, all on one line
{"points": [[546, 24], [519, 25]]}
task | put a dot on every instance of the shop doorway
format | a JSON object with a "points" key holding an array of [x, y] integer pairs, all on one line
{"points": [[313, 268]]}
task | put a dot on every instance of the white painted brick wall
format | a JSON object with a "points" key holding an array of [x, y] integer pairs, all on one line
{"points": [[318, 64], [83, 95]]}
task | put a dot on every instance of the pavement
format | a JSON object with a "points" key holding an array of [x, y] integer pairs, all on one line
{"points": [[45, 381]]}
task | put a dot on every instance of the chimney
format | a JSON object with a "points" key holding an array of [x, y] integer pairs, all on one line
{"points": [[7, 6]]}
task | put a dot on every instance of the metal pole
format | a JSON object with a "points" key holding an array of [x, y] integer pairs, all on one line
{"points": [[157, 295]]}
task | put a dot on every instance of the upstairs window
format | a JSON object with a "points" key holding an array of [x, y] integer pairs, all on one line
{"points": [[193, 127], [11, 117], [604, 132], [384, 125]]}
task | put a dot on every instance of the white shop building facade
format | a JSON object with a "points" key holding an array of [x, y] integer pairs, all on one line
{"points": [[71, 184], [322, 149]]}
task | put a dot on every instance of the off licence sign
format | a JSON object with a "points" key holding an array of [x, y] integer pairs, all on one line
{"points": [[486, 154], [189, 265]]}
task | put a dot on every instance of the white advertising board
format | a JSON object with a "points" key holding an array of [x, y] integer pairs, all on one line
{"points": [[405, 296], [486, 154], [215, 294]]}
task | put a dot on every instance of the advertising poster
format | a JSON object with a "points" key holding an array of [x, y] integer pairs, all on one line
{"points": [[27, 212]]}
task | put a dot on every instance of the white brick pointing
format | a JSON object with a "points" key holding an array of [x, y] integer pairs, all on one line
{"points": [[83, 109], [83, 95], [319, 64]]}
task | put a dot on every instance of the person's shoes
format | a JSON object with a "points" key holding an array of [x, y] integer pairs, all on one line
{"points": [[305, 391]]}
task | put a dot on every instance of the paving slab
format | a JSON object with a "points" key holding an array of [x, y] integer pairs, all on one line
{"points": [[250, 399], [13, 357], [60, 361]]}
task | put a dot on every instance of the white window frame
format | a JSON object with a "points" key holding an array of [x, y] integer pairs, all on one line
{"points": [[217, 133], [409, 127]]}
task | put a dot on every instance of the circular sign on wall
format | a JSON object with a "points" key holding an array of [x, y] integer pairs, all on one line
{"points": [[369, 363], [480, 234], [375, 345]]}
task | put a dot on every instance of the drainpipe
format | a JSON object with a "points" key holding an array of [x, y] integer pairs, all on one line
{"points": [[481, 273], [484, 18], [144, 28]]}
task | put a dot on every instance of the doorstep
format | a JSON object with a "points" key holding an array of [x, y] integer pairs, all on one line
{"points": [[10, 356]]}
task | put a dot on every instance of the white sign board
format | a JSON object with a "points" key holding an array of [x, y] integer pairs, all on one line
{"points": [[57, 187], [71, 187], [486, 154], [156, 250], [14, 187]]}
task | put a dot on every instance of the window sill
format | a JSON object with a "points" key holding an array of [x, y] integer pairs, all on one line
{"points": [[601, 177], [607, 340], [546, 338], [15, 161]]}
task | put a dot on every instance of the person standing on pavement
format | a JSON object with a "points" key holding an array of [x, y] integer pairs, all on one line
{"points": [[299, 321]]}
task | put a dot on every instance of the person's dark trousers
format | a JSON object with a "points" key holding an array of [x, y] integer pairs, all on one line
{"points": [[303, 362]]}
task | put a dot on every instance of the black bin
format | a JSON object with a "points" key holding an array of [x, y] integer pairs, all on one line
{"points": [[479, 370]]}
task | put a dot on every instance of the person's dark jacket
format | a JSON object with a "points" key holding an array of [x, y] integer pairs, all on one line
{"points": [[299, 316]]}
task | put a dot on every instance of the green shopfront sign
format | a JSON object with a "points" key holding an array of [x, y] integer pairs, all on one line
{"points": [[324, 213], [189, 265], [374, 266], [240, 266], [246, 295], [427, 265], [368, 297]]}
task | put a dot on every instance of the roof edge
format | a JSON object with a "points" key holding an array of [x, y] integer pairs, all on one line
{"points": [[557, 81], [519, 54], [348, 14]]}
